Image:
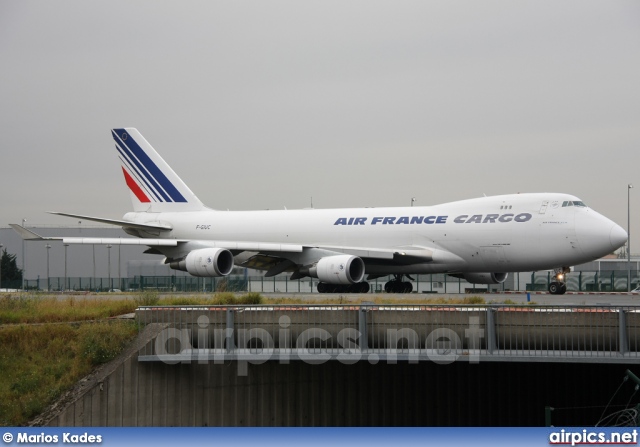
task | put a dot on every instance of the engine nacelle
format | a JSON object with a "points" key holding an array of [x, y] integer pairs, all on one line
{"points": [[340, 269], [484, 278], [206, 262]]}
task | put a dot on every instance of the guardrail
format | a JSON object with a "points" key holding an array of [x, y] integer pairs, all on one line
{"points": [[392, 333]]}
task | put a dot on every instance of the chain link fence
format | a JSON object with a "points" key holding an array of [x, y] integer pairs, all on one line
{"points": [[597, 281]]}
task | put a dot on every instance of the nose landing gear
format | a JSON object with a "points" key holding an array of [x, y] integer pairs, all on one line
{"points": [[558, 286]]}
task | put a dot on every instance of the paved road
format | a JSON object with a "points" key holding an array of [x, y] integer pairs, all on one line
{"points": [[519, 298]]}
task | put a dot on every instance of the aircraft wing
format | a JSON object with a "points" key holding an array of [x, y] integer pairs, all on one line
{"points": [[273, 257], [236, 246], [410, 254], [289, 260], [29, 235], [120, 223]]}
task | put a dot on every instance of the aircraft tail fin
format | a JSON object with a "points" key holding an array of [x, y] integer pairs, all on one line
{"points": [[154, 186]]}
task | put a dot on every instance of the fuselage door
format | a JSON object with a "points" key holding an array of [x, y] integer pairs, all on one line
{"points": [[543, 208]]}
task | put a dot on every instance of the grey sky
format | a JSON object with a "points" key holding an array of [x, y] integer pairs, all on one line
{"points": [[357, 103]]}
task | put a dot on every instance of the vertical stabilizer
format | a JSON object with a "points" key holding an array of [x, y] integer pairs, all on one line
{"points": [[154, 186]]}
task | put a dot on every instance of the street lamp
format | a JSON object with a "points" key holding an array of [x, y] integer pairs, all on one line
{"points": [[48, 277], [65, 267], [1, 247], [629, 186], [95, 286], [119, 268], [109, 265], [24, 268]]}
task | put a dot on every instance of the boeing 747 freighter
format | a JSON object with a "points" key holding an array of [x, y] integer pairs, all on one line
{"points": [[480, 240]]}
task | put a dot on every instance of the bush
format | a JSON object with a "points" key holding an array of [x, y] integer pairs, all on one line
{"points": [[147, 298], [230, 299], [103, 342], [182, 301], [250, 298]]}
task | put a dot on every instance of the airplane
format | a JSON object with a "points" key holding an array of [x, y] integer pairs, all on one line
{"points": [[481, 240]]}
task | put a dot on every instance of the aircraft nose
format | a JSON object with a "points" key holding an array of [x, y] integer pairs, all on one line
{"points": [[598, 236], [617, 236]]}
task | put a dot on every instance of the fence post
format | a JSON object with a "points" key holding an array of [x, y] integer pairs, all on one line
{"points": [[623, 346], [491, 330], [547, 416], [362, 328], [580, 282], [230, 344]]}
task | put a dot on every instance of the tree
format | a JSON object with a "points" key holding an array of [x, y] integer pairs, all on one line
{"points": [[9, 268]]}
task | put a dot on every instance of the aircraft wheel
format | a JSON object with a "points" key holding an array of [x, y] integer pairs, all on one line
{"points": [[554, 288], [563, 289], [388, 287], [407, 287], [322, 287], [364, 287]]}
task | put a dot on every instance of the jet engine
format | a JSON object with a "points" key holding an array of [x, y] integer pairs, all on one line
{"points": [[483, 278], [339, 269], [206, 262]]}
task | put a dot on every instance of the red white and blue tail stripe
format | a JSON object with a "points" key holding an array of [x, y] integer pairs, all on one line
{"points": [[154, 186]]}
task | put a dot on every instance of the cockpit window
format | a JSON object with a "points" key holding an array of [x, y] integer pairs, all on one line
{"points": [[573, 203]]}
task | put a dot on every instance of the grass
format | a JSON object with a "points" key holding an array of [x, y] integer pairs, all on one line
{"points": [[34, 308], [217, 299], [47, 344], [40, 362]]}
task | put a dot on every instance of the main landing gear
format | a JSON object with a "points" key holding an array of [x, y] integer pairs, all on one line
{"points": [[359, 287], [558, 286], [398, 286]]}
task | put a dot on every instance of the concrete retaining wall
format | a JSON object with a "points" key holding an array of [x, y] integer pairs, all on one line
{"points": [[334, 394]]}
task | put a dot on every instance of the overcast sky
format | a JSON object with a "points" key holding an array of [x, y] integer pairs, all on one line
{"points": [[263, 104]]}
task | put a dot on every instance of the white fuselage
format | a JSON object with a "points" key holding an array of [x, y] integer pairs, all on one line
{"points": [[508, 233]]}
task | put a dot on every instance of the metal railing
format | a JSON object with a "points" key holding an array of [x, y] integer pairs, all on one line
{"points": [[391, 333]]}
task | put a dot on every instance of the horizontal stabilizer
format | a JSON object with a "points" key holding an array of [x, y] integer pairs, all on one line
{"points": [[29, 235]]}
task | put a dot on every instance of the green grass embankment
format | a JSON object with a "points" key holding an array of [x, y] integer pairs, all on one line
{"points": [[48, 344], [39, 362]]}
